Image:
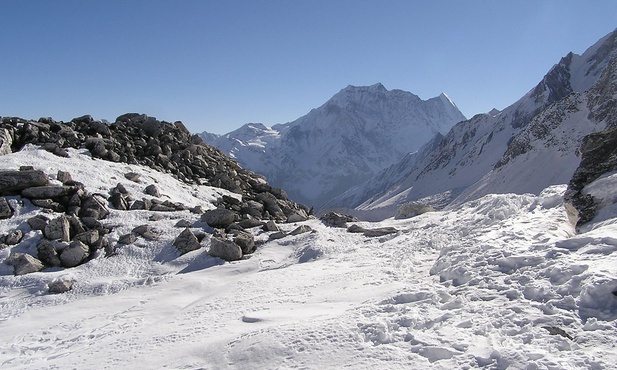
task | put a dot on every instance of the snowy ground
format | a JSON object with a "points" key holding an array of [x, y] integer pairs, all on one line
{"points": [[501, 282]]}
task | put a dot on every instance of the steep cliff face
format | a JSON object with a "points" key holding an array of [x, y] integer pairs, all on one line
{"points": [[353, 136]]}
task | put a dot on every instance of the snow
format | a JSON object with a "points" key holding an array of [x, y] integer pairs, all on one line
{"points": [[490, 283]]}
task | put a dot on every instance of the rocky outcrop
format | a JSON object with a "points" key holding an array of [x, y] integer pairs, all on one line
{"points": [[186, 242], [598, 156], [337, 219]]}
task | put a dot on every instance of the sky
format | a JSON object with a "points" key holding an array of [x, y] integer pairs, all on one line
{"points": [[216, 65]]}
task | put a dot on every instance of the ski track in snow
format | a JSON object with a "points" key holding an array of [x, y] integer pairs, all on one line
{"points": [[488, 284]]}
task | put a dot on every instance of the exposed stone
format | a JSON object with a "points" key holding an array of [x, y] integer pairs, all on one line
{"points": [[93, 206], [126, 239], [38, 222], [118, 201], [156, 217], [146, 232], [380, 231], [186, 242], [301, 230], [183, 223], [250, 223], [48, 204], [89, 237], [12, 182], [74, 254], [60, 286], [48, 254], [271, 205], [5, 209], [337, 219], [64, 177], [132, 176], [162, 208], [277, 235], [271, 226], [245, 240], [58, 229], [6, 140], [297, 216], [25, 264], [224, 249], [197, 210], [219, 217], [49, 191], [152, 190], [13, 237]]}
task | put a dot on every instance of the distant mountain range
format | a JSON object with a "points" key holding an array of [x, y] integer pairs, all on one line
{"points": [[348, 140]]}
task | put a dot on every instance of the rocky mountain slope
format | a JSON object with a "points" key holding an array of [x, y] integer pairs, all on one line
{"points": [[524, 148], [353, 136]]}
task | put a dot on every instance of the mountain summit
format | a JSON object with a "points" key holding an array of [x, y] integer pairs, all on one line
{"points": [[357, 133]]}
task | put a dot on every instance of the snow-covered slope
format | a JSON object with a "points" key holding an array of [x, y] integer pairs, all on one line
{"points": [[353, 136], [499, 282], [524, 148]]}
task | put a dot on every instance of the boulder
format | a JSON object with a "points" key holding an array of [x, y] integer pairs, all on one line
{"points": [[183, 223], [301, 230], [94, 206], [246, 241], [74, 254], [48, 191], [337, 219], [12, 182], [152, 190], [132, 176], [118, 201], [5, 209], [271, 226], [90, 237], [219, 217], [48, 254], [6, 140], [277, 235], [146, 232], [58, 229], [250, 223], [13, 237], [186, 242], [60, 286], [38, 222], [297, 216], [224, 249], [380, 231], [126, 239], [64, 177], [25, 264]]}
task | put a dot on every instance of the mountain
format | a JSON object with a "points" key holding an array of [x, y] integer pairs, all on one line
{"points": [[354, 135], [526, 147]]}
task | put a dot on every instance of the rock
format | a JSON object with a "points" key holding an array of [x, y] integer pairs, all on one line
{"points": [[186, 242], [246, 241], [162, 208], [271, 226], [94, 206], [337, 219], [96, 146], [90, 237], [277, 235], [380, 231], [26, 168], [146, 232], [48, 254], [6, 140], [252, 208], [74, 254], [14, 237], [60, 286], [58, 229], [224, 249], [38, 222], [91, 223], [152, 190], [250, 223], [127, 239], [12, 182], [197, 210], [271, 205], [156, 217], [139, 205], [183, 223], [5, 209], [297, 216], [48, 204], [356, 229], [301, 230], [64, 177], [219, 217], [121, 189], [118, 201], [48, 191], [25, 264], [132, 176]]}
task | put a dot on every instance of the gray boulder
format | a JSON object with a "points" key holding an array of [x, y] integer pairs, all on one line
{"points": [[25, 264], [60, 286], [13, 237], [152, 190], [301, 230], [146, 232], [48, 191], [90, 237], [5, 209], [186, 242], [58, 229], [337, 219], [15, 181], [219, 217], [74, 254], [47, 253], [224, 249], [38, 222], [126, 239], [297, 216], [64, 177], [246, 241], [94, 206], [271, 226]]}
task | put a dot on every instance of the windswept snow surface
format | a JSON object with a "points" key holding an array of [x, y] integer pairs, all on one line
{"points": [[499, 282]]}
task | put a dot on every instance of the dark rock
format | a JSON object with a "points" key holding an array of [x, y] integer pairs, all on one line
{"points": [[126, 239], [74, 254], [47, 253], [152, 190], [277, 235], [132, 176], [553, 330], [60, 286], [64, 177], [297, 216], [271, 226], [246, 241], [162, 208], [118, 201], [58, 229], [301, 230], [26, 168], [186, 242], [12, 182], [224, 249], [250, 223], [156, 217], [337, 219], [94, 206], [38, 222], [25, 264], [5, 209], [90, 237], [183, 223], [380, 231], [197, 210], [121, 189], [219, 217], [91, 223], [146, 232], [13, 237], [48, 204], [49, 191]]}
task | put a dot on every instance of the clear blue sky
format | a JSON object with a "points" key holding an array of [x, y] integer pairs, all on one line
{"points": [[216, 65]]}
